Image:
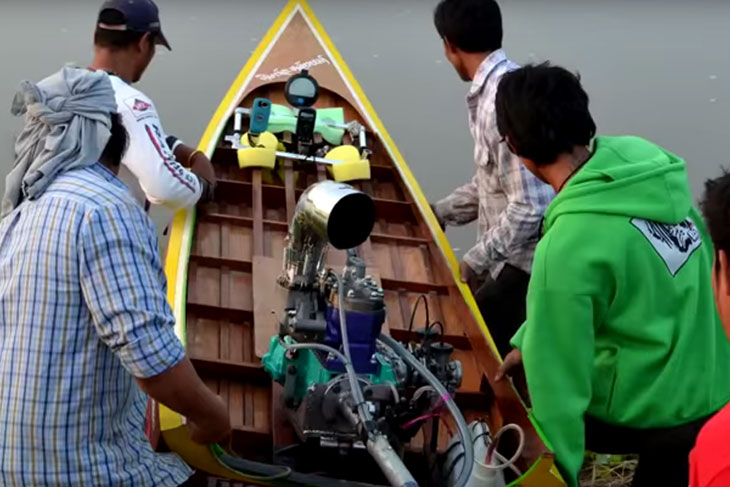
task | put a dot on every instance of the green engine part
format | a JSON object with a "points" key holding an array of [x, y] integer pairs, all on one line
{"points": [[309, 369], [284, 119]]}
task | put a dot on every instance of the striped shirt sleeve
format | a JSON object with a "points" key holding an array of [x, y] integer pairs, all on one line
{"points": [[124, 288], [461, 206], [519, 222]]}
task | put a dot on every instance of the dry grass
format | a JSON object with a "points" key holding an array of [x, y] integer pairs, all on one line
{"points": [[607, 471]]}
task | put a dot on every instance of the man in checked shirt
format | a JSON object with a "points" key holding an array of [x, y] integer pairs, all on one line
{"points": [[86, 334], [503, 195]]}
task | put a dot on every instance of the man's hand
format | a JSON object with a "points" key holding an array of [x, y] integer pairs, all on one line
{"points": [[470, 277], [181, 389], [442, 223], [467, 274], [201, 166], [512, 360], [213, 428], [196, 161]]}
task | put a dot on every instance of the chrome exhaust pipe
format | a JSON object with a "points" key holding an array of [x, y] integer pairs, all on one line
{"points": [[331, 213]]}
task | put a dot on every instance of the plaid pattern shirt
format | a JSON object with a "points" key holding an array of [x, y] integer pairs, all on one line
{"points": [[82, 313], [506, 198]]}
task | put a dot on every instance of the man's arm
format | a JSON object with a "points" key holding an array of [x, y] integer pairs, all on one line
{"points": [[180, 389], [557, 350], [124, 288], [567, 301], [198, 163], [460, 207], [520, 222], [162, 178]]}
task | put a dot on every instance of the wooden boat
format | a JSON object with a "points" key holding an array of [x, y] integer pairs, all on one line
{"points": [[223, 259]]}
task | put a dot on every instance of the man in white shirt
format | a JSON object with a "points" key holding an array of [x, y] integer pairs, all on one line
{"points": [[159, 170]]}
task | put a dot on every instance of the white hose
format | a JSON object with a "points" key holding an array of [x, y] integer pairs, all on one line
{"points": [[394, 389], [511, 462], [491, 444], [315, 346], [511, 466], [421, 391], [336, 380]]}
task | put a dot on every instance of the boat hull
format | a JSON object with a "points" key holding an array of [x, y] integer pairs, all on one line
{"points": [[223, 260]]}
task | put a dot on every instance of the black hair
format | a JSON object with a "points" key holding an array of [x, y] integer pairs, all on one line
{"points": [[115, 39], [470, 25], [117, 144], [543, 111], [716, 208]]}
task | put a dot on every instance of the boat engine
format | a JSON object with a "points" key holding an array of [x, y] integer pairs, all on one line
{"points": [[346, 386]]}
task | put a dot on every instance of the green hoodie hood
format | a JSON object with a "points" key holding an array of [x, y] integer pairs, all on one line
{"points": [[621, 322], [627, 176]]}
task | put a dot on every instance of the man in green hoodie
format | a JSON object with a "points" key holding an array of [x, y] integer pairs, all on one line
{"points": [[622, 347]]}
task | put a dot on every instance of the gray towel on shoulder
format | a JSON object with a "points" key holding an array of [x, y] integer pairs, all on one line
{"points": [[67, 126]]}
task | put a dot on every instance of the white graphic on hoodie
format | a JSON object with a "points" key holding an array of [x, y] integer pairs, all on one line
{"points": [[675, 244]]}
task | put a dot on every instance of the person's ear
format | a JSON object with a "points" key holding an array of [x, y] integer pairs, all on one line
{"points": [[510, 145], [528, 163], [449, 47], [145, 42], [723, 273]]}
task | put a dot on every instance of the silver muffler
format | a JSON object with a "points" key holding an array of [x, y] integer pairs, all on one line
{"points": [[328, 213]]}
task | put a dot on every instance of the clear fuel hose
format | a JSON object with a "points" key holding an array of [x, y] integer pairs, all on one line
{"points": [[355, 389], [461, 425]]}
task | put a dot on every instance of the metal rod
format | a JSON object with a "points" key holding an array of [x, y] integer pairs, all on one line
{"points": [[389, 462], [353, 127], [236, 129], [286, 155], [297, 157]]}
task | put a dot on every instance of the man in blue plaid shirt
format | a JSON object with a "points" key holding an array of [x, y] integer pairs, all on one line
{"points": [[504, 196], [85, 328]]}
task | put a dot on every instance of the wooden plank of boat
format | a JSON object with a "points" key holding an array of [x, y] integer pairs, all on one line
{"points": [[223, 256]]}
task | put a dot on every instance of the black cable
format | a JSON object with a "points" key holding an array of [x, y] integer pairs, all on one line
{"points": [[415, 308], [481, 435], [434, 447], [451, 447], [440, 325], [458, 457]]}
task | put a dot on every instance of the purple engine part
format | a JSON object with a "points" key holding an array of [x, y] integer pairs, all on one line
{"points": [[363, 329]]}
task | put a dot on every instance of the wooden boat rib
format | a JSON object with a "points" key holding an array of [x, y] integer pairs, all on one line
{"points": [[224, 257]]}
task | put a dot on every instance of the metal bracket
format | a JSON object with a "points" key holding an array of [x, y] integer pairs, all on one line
{"points": [[356, 130]]}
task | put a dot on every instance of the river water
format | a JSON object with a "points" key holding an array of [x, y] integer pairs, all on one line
{"points": [[656, 69]]}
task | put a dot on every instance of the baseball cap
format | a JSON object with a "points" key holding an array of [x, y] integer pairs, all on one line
{"points": [[137, 16]]}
